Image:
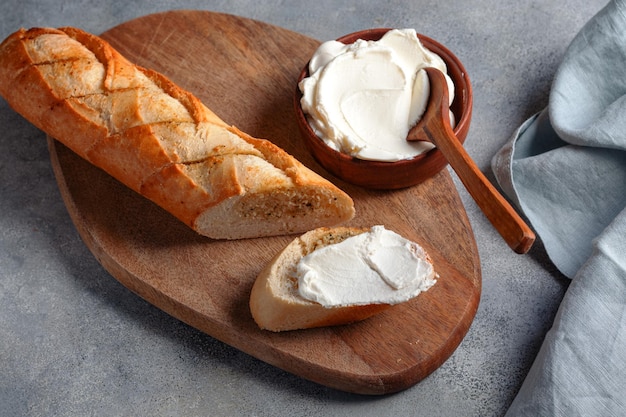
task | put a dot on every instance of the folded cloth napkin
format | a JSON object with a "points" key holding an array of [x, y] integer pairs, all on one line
{"points": [[565, 168]]}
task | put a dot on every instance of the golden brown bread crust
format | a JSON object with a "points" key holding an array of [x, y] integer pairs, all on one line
{"points": [[274, 301], [160, 140]]}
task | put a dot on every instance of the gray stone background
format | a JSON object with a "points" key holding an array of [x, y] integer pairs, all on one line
{"points": [[74, 342]]}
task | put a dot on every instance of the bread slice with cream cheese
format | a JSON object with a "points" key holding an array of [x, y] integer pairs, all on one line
{"points": [[275, 300]]}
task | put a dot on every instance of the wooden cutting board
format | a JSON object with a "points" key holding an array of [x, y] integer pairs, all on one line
{"points": [[246, 72]]}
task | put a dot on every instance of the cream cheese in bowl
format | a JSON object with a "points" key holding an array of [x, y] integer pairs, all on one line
{"points": [[362, 98]]}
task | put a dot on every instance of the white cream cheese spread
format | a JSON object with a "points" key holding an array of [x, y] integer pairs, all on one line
{"points": [[363, 98], [376, 267]]}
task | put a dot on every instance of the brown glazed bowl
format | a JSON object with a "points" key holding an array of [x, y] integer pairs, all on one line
{"points": [[391, 175]]}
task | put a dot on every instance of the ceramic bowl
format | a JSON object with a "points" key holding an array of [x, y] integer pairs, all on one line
{"points": [[391, 175]]}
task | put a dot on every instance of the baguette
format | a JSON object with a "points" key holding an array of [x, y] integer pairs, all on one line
{"points": [[275, 302], [161, 141]]}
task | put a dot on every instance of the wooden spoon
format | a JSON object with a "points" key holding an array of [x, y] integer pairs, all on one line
{"points": [[435, 127]]}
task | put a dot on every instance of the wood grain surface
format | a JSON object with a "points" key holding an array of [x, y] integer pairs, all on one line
{"points": [[246, 71]]}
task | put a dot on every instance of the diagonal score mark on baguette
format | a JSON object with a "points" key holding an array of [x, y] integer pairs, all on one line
{"points": [[160, 140]]}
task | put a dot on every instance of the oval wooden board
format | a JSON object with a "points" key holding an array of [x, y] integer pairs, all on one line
{"points": [[246, 71]]}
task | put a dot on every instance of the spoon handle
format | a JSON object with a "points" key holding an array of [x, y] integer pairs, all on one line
{"points": [[435, 127], [502, 216]]}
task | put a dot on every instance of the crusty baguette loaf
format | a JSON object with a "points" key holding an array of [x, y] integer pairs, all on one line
{"points": [[275, 303], [160, 140]]}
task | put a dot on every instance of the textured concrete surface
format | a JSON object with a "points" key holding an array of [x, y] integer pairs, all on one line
{"points": [[74, 342]]}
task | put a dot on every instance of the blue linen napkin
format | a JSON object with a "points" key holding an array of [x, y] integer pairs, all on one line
{"points": [[565, 168]]}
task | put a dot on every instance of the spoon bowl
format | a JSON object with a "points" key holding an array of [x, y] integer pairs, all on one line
{"points": [[390, 175]]}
